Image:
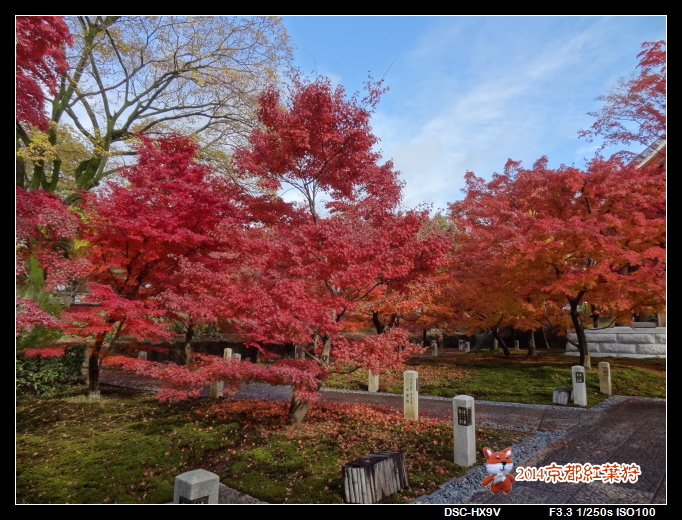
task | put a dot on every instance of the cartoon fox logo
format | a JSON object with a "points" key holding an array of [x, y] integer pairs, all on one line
{"points": [[499, 466]]}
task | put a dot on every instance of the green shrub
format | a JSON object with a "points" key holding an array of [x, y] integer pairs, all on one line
{"points": [[45, 375]]}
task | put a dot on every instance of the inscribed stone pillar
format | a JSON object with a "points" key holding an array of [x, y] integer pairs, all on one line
{"points": [[605, 378], [464, 420], [373, 382], [579, 385], [411, 395]]}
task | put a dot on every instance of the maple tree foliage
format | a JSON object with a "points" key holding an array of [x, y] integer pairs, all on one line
{"points": [[161, 246], [556, 239], [304, 272], [44, 257], [345, 247], [635, 110], [40, 62]]}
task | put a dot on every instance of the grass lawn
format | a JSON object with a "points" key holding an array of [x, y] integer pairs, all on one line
{"points": [[491, 376], [128, 447]]}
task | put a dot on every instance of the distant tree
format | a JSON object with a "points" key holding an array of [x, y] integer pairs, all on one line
{"points": [[347, 249], [635, 110], [143, 74], [553, 240]]}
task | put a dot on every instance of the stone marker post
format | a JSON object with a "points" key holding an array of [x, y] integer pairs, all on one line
{"points": [[411, 395], [467, 346], [516, 344], [373, 382], [196, 487], [605, 378], [214, 390], [142, 355], [461, 345], [464, 430], [434, 348], [238, 357], [579, 385]]}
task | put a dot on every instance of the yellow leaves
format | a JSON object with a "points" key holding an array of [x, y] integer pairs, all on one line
{"points": [[40, 149]]}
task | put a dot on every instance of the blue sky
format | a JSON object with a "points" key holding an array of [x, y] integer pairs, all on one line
{"points": [[469, 92]]}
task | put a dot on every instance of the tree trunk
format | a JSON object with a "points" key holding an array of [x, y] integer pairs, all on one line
{"points": [[93, 367], [532, 352], [95, 358], [500, 341], [380, 327], [326, 349], [188, 343], [544, 336], [297, 410], [579, 330]]}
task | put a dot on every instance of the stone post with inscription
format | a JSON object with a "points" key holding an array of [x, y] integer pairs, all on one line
{"points": [[373, 382], [411, 395], [605, 378], [579, 385], [464, 420]]}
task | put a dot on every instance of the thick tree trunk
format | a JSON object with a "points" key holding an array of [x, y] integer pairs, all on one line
{"points": [[583, 350], [326, 349], [500, 341], [379, 325], [95, 359], [93, 367], [532, 352], [297, 410]]}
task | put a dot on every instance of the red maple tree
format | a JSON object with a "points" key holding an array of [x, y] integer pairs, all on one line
{"points": [[161, 246], [40, 62], [635, 110], [320, 267], [559, 238], [344, 248]]}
